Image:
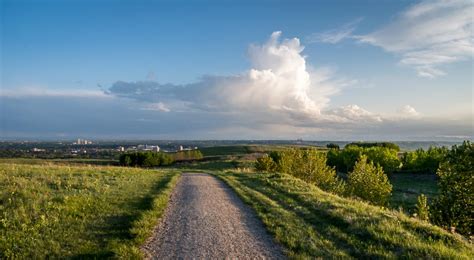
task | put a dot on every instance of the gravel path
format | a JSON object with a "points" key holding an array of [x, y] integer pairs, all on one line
{"points": [[206, 219]]}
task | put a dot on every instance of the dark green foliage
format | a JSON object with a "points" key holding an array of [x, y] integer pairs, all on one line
{"points": [[368, 181], [308, 165], [422, 161], [454, 207], [375, 144], [344, 160], [265, 164], [145, 159], [152, 159], [407, 188], [422, 208], [332, 146]]}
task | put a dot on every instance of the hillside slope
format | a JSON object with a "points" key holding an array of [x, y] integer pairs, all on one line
{"points": [[312, 223]]}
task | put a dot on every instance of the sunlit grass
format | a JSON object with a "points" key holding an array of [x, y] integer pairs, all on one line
{"points": [[52, 211], [311, 223]]}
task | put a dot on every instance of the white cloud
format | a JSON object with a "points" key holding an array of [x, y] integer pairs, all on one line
{"points": [[335, 35], [407, 111], [279, 88], [353, 114], [428, 35], [279, 84]]}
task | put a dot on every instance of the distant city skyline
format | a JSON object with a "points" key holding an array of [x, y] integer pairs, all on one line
{"points": [[316, 70]]}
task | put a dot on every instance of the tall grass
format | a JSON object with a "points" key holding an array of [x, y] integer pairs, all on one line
{"points": [[52, 211]]}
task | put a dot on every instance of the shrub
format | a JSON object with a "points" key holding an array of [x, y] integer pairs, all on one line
{"points": [[265, 164], [422, 208], [454, 206], [368, 181], [332, 146], [308, 165]]}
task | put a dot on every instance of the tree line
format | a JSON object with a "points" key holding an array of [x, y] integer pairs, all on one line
{"points": [[387, 156], [152, 159]]}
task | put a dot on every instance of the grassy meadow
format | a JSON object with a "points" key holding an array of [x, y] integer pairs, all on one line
{"points": [[311, 223], [407, 187], [59, 211]]}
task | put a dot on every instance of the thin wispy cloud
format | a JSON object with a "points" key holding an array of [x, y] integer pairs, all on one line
{"points": [[46, 92], [428, 35], [335, 35], [425, 36]]}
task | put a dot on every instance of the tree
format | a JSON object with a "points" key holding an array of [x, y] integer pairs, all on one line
{"points": [[387, 158], [368, 181], [454, 206], [344, 160], [332, 146], [424, 161]]}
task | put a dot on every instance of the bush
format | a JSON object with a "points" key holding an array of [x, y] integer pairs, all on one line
{"points": [[308, 165], [454, 206], [265, 164], [332, 146], [422, 208], [368, 181]]}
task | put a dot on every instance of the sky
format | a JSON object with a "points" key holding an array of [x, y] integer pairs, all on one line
{"points": [[317, 70]]}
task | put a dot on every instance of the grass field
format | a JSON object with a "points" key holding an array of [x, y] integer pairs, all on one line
{"points": [[54, 211], [311, 223], [242, 149], [408, 186], [78, 161]]}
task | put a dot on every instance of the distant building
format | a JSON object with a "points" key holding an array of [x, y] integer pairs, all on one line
{"points": [[181, 148], [121, 149], [38, 150], [156, 148], [82, 141]]}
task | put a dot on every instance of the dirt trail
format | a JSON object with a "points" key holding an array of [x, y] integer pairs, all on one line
{"points": [[206, 219]]}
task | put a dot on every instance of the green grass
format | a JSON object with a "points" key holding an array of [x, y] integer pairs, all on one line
{"points": [[224, 150], [311, 223], [407, 187], [54, 211], [242, 149], [78, 161], [215, 165]]}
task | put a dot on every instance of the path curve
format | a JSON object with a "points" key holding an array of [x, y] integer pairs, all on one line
{"points": [[206, 219]]}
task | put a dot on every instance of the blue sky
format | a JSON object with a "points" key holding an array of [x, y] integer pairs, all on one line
{"points": [[397, 70]]}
